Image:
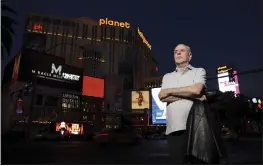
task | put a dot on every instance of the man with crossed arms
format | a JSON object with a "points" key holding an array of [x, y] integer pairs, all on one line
{"points": [[186, 81]]}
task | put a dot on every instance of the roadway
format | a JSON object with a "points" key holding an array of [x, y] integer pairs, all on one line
{"points": [[246, 151]]}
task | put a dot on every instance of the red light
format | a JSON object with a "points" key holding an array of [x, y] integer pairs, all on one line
{"points": [[156, 69], [19, 100], [105, 134], [37, 27], [259, 106]]}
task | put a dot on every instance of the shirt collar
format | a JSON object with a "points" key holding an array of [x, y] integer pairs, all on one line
{"points": [[189, 67]]}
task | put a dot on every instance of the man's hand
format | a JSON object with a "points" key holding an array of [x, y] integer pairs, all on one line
{"points": [[163, 94], [203, 98]]}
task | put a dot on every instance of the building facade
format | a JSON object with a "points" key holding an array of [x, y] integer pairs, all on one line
{"points": [[101, 47], [152, 82], [57, 90]]}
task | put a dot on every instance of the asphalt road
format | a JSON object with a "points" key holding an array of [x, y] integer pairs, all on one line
{"points": [[246, 151]]}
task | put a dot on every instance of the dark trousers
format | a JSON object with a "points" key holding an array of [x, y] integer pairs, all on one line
{"points": [[177, 145]]}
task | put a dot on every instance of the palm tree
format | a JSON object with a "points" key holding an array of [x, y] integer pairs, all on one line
{"points": [[7, 30]]}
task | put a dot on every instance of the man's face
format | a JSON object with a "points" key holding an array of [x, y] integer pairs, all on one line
{"points": [[182, 55]]}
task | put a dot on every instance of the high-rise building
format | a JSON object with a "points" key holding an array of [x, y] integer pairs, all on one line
{"points": [[152, 82], [101, 47]]}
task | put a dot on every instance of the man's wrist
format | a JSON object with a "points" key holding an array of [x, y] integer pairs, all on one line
{"points": [[168, 92]]}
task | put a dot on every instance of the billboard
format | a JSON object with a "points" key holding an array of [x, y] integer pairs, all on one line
{"points": [[70, 128], [140, 100], [93, 87], [158, 108], [227, 84], [50, 70]]}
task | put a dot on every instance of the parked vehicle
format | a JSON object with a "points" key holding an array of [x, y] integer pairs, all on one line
{"points": [[228, 134]]}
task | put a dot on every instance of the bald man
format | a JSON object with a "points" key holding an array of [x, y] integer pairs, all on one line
{"points": [[185, 82]]}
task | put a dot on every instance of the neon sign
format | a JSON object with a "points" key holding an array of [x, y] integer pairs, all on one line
{"points": [[144, 39], [57, 74], [109, 22], [223, 70], [37, 27]]}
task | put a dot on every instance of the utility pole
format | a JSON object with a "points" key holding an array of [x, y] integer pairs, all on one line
{"points": [[31, 106]]}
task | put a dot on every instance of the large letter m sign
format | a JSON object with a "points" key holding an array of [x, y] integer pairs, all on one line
{"points": [[56, 70]]}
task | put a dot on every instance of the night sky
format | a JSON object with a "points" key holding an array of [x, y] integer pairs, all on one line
{"points": [[218, 31]]}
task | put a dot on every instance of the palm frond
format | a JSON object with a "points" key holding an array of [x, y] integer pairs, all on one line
{"points": [[7, 31], [8, 9], [7, 40], [5, 20]]}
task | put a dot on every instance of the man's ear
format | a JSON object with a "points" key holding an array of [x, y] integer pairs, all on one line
{"points": [[190, 56]]}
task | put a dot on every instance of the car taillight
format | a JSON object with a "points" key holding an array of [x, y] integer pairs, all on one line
{"points": [[104, 134]]}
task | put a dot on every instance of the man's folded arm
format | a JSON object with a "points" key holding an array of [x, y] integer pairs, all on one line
{"points": [[170, 99], [193, 90]]}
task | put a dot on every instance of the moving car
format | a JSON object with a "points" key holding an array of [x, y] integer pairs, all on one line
{"points": [[118, 136]]}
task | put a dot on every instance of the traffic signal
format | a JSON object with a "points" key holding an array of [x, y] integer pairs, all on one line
{"points": [[258, 102]]}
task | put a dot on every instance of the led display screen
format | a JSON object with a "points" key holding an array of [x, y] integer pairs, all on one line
{"points": [[140, 99], [93, 87], [70, 128], [158, 108]]}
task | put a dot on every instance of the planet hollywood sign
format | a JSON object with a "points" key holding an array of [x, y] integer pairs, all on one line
{"points": [[57, 74]]}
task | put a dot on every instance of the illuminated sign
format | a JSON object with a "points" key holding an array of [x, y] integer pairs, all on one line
{"points": [[37, 27], [226, 85], [223, 69], [114, 23], [70, 101], [70, 128], [144, 39], [57, 74], [140, 99], [75, 128], [158, 108]]}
